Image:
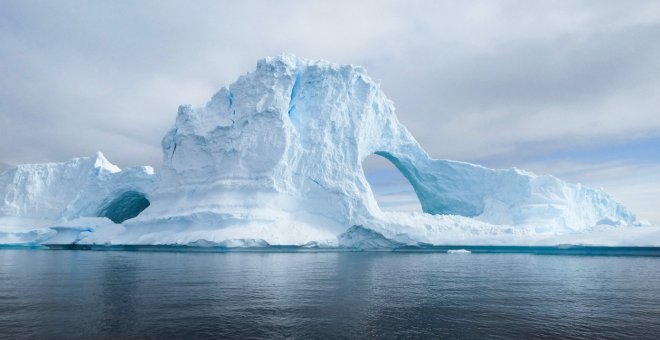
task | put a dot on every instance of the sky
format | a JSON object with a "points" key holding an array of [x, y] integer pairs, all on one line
{"points": [[564, 88]]}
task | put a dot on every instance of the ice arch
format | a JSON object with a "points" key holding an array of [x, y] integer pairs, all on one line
{"points": [[439, 189], [124, 206], [392, 190]]}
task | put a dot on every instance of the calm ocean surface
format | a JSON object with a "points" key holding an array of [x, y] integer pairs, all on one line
{"points": [[165, 295]]}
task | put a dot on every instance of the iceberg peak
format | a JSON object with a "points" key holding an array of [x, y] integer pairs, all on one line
{"points": [[102, 163]]}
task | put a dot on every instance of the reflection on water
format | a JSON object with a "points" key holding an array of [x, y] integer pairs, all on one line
{"points": [[65, 294], [119, 295]]}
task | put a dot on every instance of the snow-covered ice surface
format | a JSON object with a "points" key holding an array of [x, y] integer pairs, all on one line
{"points": [[276, 159]]}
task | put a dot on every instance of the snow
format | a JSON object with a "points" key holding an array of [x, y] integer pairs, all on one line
{"points": [[276, 158]]}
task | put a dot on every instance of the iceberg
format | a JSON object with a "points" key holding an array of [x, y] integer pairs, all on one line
{"points": [[459, 251], [277, 157], [41, 195]]}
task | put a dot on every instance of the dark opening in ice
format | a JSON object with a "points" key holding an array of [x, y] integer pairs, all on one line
{"points": [[125, 206]]}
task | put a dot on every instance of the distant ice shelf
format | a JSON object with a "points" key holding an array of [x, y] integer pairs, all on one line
{"points": [[275, 159]]}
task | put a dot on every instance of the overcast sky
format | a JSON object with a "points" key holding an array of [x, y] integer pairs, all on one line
{"points": [[567, 88]]}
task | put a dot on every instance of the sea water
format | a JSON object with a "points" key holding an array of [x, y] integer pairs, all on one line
{"points": [[124, 294]]}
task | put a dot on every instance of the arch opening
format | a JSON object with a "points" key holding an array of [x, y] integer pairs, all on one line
{"points": [[392, 190], [127, 205]]}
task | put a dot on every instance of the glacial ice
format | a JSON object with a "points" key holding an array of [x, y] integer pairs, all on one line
{"points": [[359, 237], [276, 158], [459, 251]]}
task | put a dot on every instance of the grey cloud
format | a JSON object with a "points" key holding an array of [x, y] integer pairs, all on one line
{"points": [[480, 104], [5, 166]]}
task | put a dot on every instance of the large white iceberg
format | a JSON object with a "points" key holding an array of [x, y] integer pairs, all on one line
{"points": [[277, 157]]}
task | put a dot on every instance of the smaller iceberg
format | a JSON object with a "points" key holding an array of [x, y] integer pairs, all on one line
{"points": [[458, 251]]}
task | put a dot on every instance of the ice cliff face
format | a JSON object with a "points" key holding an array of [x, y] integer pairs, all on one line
{"points": [[277, 155], [41, 195]]}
